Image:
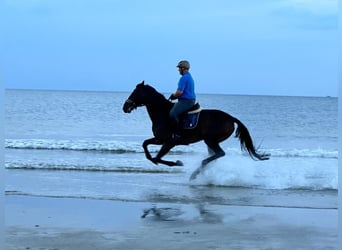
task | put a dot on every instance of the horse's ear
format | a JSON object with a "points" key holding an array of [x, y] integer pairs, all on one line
{"points": [[141, 84]]}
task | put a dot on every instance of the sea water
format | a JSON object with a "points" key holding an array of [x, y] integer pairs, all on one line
{"points": [[81, 144]]}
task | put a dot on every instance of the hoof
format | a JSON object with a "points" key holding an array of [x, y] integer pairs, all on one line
{"points": [[179, 163]]}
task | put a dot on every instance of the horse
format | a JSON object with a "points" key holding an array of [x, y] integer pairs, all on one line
{"points": [[213, 127]]}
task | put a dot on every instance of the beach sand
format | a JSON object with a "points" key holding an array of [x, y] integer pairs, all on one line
{"points": [[43, 223]]}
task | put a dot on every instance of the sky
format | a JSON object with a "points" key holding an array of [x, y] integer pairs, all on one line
{"points": [[264, 47]]}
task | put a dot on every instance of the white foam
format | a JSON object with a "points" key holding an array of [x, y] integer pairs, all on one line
{"points": [[121, 146], [276, 173]]}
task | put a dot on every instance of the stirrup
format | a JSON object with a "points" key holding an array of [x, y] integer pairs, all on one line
{"points": [[176, 137]]}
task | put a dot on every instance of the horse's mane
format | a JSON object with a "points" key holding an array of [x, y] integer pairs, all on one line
{"points": [[153, 92]]}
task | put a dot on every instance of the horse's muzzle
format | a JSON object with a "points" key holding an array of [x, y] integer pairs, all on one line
{"points": [[128, 106]]}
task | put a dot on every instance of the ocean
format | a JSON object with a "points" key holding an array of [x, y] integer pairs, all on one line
{"points": [[80, 144]]}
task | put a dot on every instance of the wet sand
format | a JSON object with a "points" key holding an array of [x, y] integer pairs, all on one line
{"points": [[42, 223]]}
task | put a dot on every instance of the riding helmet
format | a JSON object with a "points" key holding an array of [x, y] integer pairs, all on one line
{"points": [[183, 64]]}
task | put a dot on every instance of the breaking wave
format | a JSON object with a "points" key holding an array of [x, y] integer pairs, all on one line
{"points": [[121, 147], [149, 169]]}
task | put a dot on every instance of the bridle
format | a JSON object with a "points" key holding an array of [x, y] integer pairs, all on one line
{"points": [[132, 104]]}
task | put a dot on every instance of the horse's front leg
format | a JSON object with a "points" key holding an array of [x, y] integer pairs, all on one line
{"points": [[147, 142], [163, 151]]}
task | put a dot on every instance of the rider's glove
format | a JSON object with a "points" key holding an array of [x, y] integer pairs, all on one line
{"points": [[172, 97]]}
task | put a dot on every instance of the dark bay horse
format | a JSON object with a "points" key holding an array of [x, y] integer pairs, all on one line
{"points": [[214, 126]]}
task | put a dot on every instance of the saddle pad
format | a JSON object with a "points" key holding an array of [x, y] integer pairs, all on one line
{"points": [[190, 120]]}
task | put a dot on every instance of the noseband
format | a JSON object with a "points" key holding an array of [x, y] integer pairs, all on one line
{"points": [[132, 104]]}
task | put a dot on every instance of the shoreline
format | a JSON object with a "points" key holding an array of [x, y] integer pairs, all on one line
{"points": [[71, 223]]}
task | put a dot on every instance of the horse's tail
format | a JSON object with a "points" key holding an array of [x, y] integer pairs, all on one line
{"points": [[246, 142]]}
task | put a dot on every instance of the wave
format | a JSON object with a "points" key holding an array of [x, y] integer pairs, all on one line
{"points": [[122, 147], [92, 168], [78, 145], [310, 153], [239, 172]]}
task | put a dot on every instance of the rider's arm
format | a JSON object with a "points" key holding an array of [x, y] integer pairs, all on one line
{"points": [[178, 93]]}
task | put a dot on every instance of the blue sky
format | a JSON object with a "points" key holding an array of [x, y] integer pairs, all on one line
{"points": [[266, 47]]}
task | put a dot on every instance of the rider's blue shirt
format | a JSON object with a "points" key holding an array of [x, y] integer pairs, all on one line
{"points": [[187, 85]]}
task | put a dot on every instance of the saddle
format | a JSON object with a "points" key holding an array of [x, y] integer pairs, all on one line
{"points": [[189, 119]]}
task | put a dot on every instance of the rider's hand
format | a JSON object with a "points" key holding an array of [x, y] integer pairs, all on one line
{"points": [[172, 97]]}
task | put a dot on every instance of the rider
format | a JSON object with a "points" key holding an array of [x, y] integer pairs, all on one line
{"points": [[185, 94]]}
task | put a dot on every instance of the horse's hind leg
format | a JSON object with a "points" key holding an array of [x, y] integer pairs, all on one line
{"points": [[210, 151], [216, 152]]}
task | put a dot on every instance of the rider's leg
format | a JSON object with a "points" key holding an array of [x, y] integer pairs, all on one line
{"points": [[180, 107], [174, 122]]}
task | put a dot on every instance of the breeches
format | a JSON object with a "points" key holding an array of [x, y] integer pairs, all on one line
{"points": [[180, 107]]}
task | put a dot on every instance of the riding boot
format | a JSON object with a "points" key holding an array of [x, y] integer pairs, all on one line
{"points": [[176, 135]]}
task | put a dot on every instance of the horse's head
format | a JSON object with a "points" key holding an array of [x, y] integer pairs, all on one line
{"points": [[139, 97]]}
